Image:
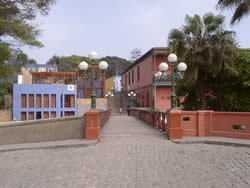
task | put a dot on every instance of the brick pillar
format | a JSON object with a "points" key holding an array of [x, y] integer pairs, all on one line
{"points": [[92, 130], [174, 127], [204, 119]]}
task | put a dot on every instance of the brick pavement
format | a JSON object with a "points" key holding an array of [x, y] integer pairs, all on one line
{"points": [[130, 154]]}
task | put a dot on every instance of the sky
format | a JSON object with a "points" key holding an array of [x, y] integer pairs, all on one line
{"points": [[115, 27]]}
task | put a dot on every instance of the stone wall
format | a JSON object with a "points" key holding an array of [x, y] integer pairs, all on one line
{"points": [[42, 130], [5, 115]]}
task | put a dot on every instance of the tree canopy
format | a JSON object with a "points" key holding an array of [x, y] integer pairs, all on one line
{"points": [[207, 50], [135, 54], [70, 63], [242, 8]]}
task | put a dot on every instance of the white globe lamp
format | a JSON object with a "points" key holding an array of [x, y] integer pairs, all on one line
{"points": [[103, 65], [172, 58], [163, 66], [182, 67], [92, 55], [83, 65]]}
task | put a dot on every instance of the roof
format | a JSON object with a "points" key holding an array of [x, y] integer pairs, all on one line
{"points": [[39, 65], [152, 51]]}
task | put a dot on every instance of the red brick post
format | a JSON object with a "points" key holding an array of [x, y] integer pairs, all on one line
{"points": [[204, 119], [92, 130], [174, 127]]}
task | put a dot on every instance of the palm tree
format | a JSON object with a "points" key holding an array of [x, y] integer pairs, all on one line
{"points": [[206, 48], [242, 8]]}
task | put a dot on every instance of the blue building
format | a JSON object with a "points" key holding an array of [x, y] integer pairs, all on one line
{"points": [[43, 101]]}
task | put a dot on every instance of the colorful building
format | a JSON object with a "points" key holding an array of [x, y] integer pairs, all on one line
{"points": [[109, 84], [42, 101], [139, 78]]}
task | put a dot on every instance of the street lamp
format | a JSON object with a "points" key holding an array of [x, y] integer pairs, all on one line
{"points": [[103, 65], [172, 58], [131, 94], [108, 95]]}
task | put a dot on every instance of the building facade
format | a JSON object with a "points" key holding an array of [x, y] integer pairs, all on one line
{"points": [[117, 83], [40, 68], [139, 78], [43, 101]]}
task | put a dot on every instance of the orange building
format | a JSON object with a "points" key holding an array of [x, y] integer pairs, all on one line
{"points": [[139, 78]]}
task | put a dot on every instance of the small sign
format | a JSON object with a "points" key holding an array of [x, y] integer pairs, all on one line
{"points": [[71, 88]]}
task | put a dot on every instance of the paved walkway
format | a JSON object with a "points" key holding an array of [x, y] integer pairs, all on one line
{"points": [[130, 154]]}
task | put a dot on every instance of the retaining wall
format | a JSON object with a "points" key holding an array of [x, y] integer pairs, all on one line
{"points": [[42, 130], [5, 115]]}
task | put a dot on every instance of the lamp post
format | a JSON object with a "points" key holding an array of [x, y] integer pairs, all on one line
{"points": [[103, 65], [131, 94], [108, 95], [172, 58]]}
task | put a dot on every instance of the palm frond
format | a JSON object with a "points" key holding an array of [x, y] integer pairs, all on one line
{"points": [[242, 10]]}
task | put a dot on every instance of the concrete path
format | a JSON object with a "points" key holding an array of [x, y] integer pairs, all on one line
{"points": [[130, 154]]}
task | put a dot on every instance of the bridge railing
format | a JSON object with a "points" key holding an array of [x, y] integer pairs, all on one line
{"points": [[95, 120], [176, 123], [104, 117], [155, 118]]}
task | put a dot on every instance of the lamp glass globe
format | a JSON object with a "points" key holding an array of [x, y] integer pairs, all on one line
{"points": [[172, 58], [83, 65], [182, 66], [92, 55], [103, 65], [163, 66]]}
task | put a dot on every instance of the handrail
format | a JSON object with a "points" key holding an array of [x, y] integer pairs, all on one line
{"points": [[155, 118]]}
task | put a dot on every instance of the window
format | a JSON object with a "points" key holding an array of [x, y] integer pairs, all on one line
{"points": [[23, 101], [45, 115], [69, 101], [132, 76], [38, 101], [31, 115], [38, 115], [129, 78], [138, 73], [69, 113], [31, 101], [53, 115], [23, 116], [53, 101], [126, 80], [147, 99], [46, 101]]}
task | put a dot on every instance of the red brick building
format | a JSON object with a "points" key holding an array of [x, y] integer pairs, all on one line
{"points": [[139, 78]]}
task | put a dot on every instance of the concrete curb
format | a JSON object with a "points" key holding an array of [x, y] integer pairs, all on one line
{"points": [[48, 145], [212, 142]]}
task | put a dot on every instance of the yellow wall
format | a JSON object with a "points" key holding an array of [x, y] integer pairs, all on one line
{"points": [[109, 83]]}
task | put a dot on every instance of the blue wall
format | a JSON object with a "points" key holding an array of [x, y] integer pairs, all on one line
{"points": [[41, 89]]}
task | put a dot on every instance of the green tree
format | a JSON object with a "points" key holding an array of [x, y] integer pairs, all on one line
{"points": [[67, 64], [230, 92], [242, 8], [15, 25], [4, 56], [135, 54], [116, 64], [15, 17], [206, 48]]}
